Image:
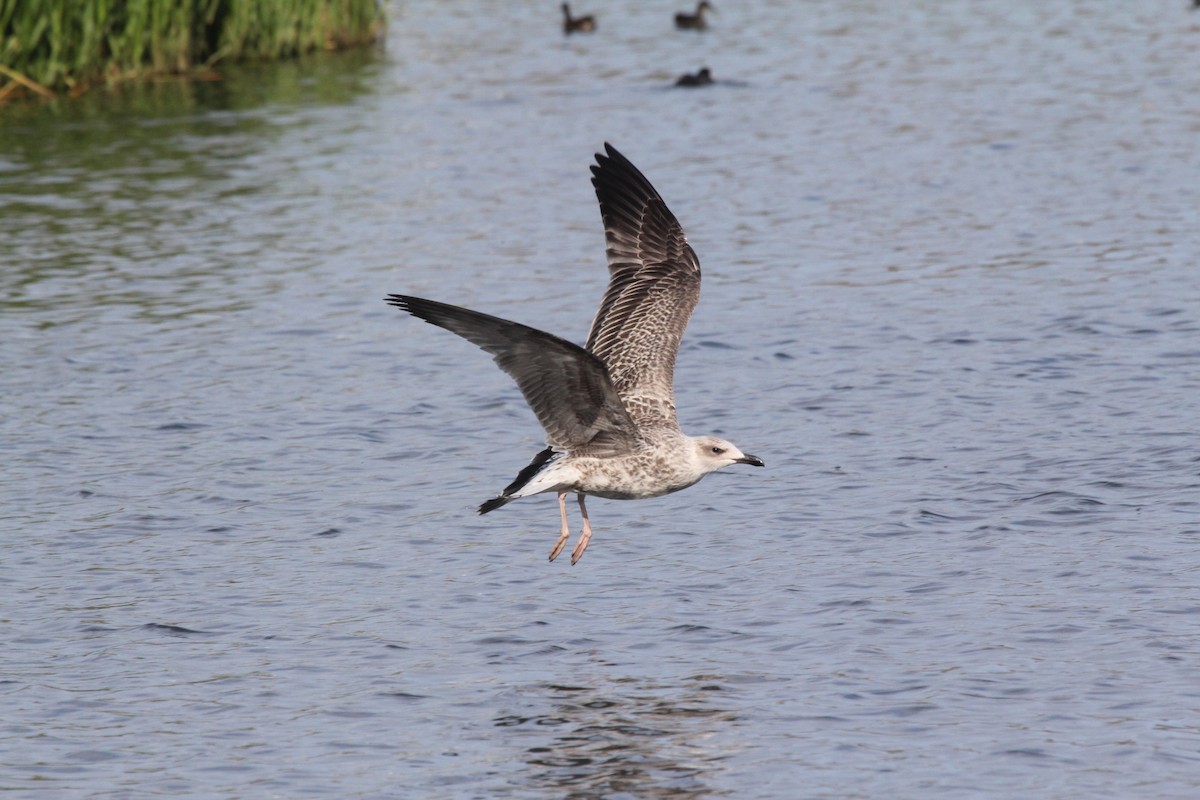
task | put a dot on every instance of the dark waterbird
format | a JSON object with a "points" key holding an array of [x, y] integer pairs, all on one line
{"points": [[702, 78], [584, 24], [608, 408], [693, 22]]}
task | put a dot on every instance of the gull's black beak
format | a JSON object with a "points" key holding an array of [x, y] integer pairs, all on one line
{"points": [[753, 461]]}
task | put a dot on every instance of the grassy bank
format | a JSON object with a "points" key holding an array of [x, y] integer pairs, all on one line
{"points": [[49, 46]]}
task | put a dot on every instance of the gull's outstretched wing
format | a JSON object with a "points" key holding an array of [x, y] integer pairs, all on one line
{"points": [[654, 283], [567, 387]]}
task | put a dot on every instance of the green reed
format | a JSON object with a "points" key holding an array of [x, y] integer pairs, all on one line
{"points": [[66, 44]]}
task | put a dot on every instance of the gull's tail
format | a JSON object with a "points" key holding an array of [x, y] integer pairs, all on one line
{"points": [[494, 503], [523, 477]]}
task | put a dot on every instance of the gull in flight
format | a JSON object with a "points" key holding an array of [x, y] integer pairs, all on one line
{"points": [[608, 408]]}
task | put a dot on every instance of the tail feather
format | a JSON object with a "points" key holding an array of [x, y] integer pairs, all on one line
{"points": [[523, 477], [494, 503], [526, 475]]}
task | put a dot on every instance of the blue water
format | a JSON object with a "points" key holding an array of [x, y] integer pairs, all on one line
{"points": [[950, 298]]}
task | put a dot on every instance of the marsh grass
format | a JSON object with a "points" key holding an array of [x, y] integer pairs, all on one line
{"points": [[54, 45]]}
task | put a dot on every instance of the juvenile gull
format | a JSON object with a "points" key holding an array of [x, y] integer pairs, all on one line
{"points": [[608, 408]]}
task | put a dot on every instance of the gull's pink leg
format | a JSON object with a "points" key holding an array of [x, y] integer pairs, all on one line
{"points": [[566, 532], [582, 544]]}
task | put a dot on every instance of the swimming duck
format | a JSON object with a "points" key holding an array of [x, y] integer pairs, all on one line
{"points": [[693, 22], [702, 78], [584, 24]]}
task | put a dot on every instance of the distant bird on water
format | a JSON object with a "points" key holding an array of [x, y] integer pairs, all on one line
{"points": [[584, 24], [608, 409], [702, 78], [693, 22]]}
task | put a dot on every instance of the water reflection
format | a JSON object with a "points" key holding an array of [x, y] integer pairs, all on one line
{"points": [[629, 736], [148, 183], [336, 78]]}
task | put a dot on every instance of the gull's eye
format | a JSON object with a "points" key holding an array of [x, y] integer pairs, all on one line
{"points": [[716, 451]]}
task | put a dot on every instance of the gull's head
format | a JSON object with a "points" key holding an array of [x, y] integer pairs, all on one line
{"points": [[712, 453]]}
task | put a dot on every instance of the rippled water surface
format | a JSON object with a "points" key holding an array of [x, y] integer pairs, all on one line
{"points": [[951, 298]]}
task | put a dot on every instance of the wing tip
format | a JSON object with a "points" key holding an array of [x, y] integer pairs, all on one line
{"points": [[400, 301], [618, 184], [419, 306], [610, 154]]}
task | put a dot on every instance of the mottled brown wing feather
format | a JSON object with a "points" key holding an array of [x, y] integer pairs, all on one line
{"points": [[567, 387], [654, 284]]}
